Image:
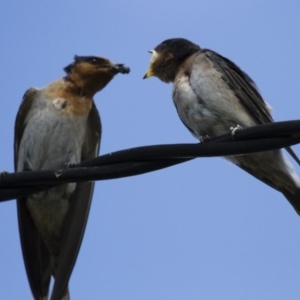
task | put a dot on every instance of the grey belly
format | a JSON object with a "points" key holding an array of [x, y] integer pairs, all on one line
{"points": [[51, 144]]}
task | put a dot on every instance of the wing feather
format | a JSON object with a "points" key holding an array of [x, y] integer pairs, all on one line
{"points": [[35, 254], [245, 90], [242, 86]]}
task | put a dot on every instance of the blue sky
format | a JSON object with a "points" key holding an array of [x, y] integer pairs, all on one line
{"points": [[200, 230]]}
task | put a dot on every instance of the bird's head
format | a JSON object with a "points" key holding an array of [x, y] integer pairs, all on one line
{"points": [[93, 73], [168, 56]]}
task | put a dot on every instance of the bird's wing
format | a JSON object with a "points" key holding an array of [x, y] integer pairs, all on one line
{"points": [[76, 218], [292, 198], [20, 123], [245, 90], [35, 254], [242, 86]]}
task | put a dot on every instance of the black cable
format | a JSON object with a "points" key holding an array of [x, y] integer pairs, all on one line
{"points": [[145, 159]]}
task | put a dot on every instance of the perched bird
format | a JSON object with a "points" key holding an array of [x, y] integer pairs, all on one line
{"points": [[58, 126], [213, 96]]}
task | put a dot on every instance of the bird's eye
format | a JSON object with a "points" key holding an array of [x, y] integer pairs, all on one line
{"points": [[94, 60]]}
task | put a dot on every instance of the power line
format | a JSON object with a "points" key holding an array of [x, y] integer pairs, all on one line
{"points": [[140, 160]]}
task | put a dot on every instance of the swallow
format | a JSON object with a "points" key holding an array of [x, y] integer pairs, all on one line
{"points": [[58, 126], [213, 96]]}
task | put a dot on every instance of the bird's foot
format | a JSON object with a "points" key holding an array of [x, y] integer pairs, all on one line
{"points": [[69, 165], [204, 139], [234, 129]]}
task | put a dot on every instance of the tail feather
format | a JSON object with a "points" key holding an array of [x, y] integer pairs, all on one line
{"points": [[275, 170], [294, 199]]}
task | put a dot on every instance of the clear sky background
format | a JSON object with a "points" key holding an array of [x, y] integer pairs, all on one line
{"points": [[200, 230]]}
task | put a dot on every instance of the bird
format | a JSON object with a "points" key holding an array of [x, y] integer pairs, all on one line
{"points": [[213, 96], [56, 127]]}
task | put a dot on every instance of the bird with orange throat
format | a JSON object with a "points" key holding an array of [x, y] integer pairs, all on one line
{"points": [[58, 126]]}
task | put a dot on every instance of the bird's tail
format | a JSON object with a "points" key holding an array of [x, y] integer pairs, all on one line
{"points": [[294, 199], [275, 170]]}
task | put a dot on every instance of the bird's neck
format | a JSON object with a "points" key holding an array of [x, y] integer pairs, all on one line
{"points": [[86, 85]]}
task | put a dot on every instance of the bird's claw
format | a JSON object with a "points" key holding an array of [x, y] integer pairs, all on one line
{"points": [[204, 139], [69, 165], [234, 129]]}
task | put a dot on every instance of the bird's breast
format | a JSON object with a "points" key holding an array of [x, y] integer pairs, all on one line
{"points": [[53, 138], [194, 112], [65, 101], [205, 103], [53, 134]]}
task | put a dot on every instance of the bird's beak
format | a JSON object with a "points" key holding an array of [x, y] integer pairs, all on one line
{"points": [[120, 68], [150, 72]]}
